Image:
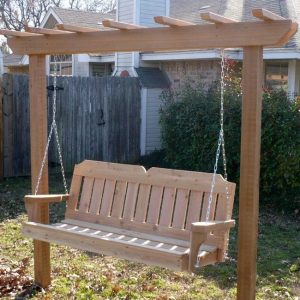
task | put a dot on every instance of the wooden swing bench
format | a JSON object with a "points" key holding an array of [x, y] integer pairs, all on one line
{"points": [[154, 217]]}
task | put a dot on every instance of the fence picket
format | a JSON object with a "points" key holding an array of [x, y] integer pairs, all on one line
{"points": [[83, 106]]}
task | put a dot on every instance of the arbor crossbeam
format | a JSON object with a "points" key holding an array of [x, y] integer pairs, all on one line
{"points": [[224, 35]]}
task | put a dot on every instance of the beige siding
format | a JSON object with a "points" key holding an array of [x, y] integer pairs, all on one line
{"points": [[149, 9], [124, 60], [126, 11], [194, 72], [125, 14], [179, 72], [80, 68], [153, 131]]}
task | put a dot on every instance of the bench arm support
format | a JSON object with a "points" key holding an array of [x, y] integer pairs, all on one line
{"points": [[44, 199], [199, 234], [207, 227], [37, 206]]}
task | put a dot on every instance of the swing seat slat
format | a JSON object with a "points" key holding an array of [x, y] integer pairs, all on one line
{"points": [[156, 217]]}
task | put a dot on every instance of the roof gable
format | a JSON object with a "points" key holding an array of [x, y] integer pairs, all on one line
{"points": [[75, 17]]}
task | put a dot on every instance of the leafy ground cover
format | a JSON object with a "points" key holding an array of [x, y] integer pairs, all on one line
{"points": [[80, 275]]}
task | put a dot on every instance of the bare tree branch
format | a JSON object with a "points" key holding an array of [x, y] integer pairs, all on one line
{"points": [[15, 13], [103, 6]]}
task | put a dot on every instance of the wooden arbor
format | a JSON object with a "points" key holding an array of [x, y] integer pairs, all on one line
{"points": [[269, 31]]}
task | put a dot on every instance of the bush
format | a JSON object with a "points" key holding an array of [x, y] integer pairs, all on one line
{"points": [[190, 128]]}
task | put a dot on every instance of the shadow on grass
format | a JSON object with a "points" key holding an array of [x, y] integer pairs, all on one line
{"points": [[278, 261], [29, 292], [13, 190]]}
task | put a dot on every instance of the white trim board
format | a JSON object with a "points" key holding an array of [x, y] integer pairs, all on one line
{"points": [[167, 8], [292, 78], [281, 53], [143, 129], [99, 59]]}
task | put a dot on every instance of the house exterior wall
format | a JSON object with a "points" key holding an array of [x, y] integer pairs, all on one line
{"points": [[139, 12], [297, 84], [153, 131], [149, 9], [80, 68], [100, 69], [195, 72], [125, 13], [293, 78], [179, 73]]}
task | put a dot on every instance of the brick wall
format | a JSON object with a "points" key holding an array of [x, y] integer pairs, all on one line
{"points": [[195, 72]]}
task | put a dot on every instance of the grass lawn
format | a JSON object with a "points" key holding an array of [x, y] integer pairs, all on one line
{"points": [[81, 275]]}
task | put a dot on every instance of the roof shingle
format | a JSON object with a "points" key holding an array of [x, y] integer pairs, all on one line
{"points": [[82, 18], [236, 9]]}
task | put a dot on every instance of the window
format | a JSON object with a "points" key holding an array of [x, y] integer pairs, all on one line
{"points": [[101, 70], [276, 75], [63, 63]]}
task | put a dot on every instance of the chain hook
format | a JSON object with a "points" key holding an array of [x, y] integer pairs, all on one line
{"points": [[53, 128], [221, 144]]}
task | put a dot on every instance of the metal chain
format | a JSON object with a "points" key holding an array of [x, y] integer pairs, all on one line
{"points": [[221, 144], [53, 127]]}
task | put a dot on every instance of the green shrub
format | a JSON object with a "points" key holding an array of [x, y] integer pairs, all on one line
{"points": [[190, 127]]}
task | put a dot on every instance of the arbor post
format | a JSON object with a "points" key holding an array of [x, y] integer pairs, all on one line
{"points": [[38, 140], [249, 172]]}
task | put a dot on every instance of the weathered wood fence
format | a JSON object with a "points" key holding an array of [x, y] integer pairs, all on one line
{"points": [[97, 118]]}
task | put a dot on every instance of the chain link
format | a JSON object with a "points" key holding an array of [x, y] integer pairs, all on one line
{"points": [[53, 127], [221, 144]]}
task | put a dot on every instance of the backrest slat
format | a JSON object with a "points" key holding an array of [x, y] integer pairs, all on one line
{"points": [[86, 194], [224, 206], [119, 198], [154, 204], [96, 196], [194, 209], [108, 195], [205, 207], [167, 207], [142, 202], [180, 208], [130, 201], [74, 193]]}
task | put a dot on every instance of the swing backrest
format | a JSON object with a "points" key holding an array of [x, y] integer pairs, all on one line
{"points": [[160, 201]]}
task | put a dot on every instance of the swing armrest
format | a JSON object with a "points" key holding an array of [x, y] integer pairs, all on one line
{"points": [[207, 227], [45, 199], [199, 234], [37, 206]]}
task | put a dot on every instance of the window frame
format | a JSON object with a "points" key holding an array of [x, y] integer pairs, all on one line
{"points": [[60, 63]]}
